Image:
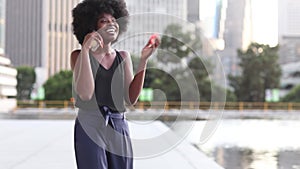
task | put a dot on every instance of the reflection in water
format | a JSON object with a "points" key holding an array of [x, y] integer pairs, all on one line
{"points": [[264, 160], [289, 159], [242, 158], [232, 158], [252, 144]]}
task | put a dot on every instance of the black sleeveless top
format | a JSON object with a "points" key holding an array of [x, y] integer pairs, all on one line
{"points": [[109, 85]]}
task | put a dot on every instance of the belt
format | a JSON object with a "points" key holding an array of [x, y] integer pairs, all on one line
{"points": [[109, 116]]}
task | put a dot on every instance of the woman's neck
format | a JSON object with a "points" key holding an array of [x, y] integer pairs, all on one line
{"points": [[106, 52], [107, 49]]}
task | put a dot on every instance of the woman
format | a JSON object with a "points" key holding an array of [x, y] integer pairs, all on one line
{"points": [[103, 81]]}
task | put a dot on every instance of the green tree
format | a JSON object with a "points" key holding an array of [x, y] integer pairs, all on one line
{"points": [[179, 54], [200, 71], [293, 95], [26, 78], [260, 71], [59, 86], [158, 79], [161, 80], [174, 40]]}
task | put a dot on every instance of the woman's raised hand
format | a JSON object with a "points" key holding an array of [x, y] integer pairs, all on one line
{"points": [[92, 41], [151, 46]]}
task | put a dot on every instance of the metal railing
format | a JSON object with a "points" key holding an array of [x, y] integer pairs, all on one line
{"points": [[177, 105]]}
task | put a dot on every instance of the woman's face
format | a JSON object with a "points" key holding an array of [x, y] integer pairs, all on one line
{"points": [[108, 28]]}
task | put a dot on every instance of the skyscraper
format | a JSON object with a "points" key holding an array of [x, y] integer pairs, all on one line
{"points": [[39, 33], [289, 30], [24, 32], [150, 16], [172, 7], [193, 10], [61, 40], [237, 33]]}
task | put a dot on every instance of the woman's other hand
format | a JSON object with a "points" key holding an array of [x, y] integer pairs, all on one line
{"points": [[151, 46]]}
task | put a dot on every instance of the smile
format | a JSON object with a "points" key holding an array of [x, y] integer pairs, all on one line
{"points": [[111, 30]]}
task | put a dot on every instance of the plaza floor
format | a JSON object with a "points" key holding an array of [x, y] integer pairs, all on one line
{"points": [[48, 144]]}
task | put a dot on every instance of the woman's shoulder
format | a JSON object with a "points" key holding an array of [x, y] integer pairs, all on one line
{"points": [[75, 52], [124, 54], [74, 56]]}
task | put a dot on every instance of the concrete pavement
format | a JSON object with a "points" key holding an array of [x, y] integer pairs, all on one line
{"points": [[48, 144]]}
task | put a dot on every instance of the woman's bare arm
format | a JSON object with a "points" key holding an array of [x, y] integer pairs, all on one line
{"points": [[134, 85], [82, 71], [82, 74]]}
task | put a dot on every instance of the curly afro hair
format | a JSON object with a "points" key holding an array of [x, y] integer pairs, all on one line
{"points": [[86, 15]]}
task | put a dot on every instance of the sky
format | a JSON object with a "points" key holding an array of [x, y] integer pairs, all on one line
{"points": [[264, 19]]}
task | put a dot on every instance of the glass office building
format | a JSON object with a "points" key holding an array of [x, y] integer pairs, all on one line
{"points": [[39, 33]]}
